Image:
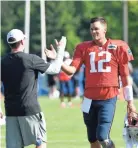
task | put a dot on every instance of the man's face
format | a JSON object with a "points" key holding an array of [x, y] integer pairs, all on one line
{"points": [[23, 43], [97, 30]]}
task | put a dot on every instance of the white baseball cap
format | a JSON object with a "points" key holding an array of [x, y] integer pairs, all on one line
{"points": [[66, 54], [16, 34]]}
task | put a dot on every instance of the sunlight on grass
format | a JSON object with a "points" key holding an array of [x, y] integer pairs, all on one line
{"points": [[66, 128]]}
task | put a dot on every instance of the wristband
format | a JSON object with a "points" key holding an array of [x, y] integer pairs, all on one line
{"points": [[128, 92]]}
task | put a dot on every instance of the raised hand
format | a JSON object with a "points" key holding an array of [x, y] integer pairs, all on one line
{"points": [[51, 53], [62, 43], [60, 47]]}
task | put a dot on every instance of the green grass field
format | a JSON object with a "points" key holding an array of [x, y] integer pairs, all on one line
{"points": [[65, 127]]}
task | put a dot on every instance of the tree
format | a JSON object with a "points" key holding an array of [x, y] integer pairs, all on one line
{"points": [[71, 19]]}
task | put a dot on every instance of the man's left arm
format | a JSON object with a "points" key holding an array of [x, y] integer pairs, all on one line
{"points": [[128, 93], [124, 56]]}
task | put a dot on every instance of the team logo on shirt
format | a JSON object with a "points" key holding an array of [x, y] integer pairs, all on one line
{"points": [[112, 46], [129, 51]]}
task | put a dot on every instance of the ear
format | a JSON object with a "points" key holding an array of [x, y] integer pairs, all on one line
{"points": [[21, 42], [105, 30]]}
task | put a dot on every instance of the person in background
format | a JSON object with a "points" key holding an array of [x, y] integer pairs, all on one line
{"points": [[66, 84], [79, 82], [25, 123], [52, 84], [130, 79]]}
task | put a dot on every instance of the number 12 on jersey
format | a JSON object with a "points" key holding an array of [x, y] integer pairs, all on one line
{"points": [[100, 67]]}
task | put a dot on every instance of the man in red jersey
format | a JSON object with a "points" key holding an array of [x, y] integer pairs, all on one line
{"points": [[105, 60]]}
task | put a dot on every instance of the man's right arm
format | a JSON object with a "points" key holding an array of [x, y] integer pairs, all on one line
{"points": [[77, 61], [68, 69], [55, 65]]}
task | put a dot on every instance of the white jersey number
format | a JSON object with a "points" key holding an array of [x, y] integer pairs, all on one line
{"points": [[100, 62]]}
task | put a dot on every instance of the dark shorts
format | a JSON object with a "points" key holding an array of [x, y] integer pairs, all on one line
{"points": [[66, 87], [99, 119], [51, 80]]}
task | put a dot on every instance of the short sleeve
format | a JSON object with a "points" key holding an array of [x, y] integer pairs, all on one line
{"points": [[77, 57], [124, 55], [39, 64]]}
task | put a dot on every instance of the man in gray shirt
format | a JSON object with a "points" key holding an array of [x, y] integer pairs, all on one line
{"points": [[19, 74]]}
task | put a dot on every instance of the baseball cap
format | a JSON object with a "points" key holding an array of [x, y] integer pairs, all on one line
{"points": [[16, 34], [66, 54]]}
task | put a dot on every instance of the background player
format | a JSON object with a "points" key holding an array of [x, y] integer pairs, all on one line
{"points": [[66, 83]]}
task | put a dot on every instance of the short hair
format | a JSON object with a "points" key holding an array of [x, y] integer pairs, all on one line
{"points": [[99, 19], [13, 45]]}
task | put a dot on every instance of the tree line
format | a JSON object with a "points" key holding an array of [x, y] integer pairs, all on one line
{"points": [[71, 19]]}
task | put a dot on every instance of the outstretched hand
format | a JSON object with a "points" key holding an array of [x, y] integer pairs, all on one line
{"points": [[51, 53], [60, 46]]}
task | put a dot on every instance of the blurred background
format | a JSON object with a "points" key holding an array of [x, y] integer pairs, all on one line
{"points": [[43, 21]]}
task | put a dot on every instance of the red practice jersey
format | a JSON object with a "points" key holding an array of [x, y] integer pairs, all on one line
{"points": [[103, 65], [62, 75]]}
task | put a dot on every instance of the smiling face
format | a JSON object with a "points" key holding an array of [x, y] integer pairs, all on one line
{"points": [[98, 30]]}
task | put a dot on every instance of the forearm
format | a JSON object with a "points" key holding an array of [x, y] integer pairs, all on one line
{"points": [[68, 69], [127, 89], [55, 65]]}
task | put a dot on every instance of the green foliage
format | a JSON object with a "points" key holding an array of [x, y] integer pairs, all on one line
{"points": [[71, 19], [133, 29], [61, 23], [1, 47], [12, 16]]}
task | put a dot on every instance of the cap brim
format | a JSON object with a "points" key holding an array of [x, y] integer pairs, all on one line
{"points": [[24, 37]]}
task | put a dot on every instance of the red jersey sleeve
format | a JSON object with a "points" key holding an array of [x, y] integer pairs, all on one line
{"points": [[124, 56], [78, 57]]}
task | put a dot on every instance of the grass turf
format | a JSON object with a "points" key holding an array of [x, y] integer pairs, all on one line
{"points": [[65, 127]]}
